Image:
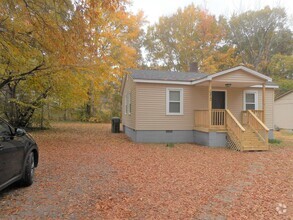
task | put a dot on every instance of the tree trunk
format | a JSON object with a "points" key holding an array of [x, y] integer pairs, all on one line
{"points": [[65, 117], [18, 115], [42, 118], [90, 107]]}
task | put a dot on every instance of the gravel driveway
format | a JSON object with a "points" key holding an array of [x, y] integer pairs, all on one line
{"points": [[85, 172]]}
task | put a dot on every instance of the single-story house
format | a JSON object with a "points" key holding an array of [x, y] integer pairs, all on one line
{"points": [[231, 108], [283, 110]]}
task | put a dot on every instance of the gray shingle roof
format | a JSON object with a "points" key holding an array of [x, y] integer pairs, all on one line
{"points": [[171, 76], [166, 75], [271, 84]]}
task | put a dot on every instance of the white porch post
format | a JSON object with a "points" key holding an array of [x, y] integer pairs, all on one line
{"points": [[263, 102], [210, 103]]}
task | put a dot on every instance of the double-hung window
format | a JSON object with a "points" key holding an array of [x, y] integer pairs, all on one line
{"points": [[129, 103], [125, 104], [174, 101], [250, 100]]}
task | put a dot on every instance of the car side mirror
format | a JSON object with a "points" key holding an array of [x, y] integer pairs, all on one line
{"points": [[19, 132]]}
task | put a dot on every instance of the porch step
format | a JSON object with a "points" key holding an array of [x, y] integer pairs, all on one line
{"points": [[251, 141], [255, 148]]}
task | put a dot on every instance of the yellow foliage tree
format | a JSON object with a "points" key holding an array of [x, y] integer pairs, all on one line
{"points": [[61, 48]]}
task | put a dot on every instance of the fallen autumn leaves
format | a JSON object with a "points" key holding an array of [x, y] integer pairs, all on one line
{"points": [[87, 172]]}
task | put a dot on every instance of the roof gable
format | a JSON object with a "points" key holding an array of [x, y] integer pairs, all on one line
{"points": [[238, 76], [243, 68]]}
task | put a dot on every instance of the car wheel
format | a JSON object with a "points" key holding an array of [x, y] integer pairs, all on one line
{"points": [[29, 171]]}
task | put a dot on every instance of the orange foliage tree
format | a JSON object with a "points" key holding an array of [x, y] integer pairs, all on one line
{"points": [[59, 49]]}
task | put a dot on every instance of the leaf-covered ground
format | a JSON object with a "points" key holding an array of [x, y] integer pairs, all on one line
{"points": [[85, 172]]}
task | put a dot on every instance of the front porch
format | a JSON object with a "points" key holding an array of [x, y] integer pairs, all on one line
{"points": [[242, 118], [218, 122], [250, 134]]}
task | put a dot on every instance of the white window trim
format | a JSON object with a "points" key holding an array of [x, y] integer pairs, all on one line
{"points": [[167, 101], [125, 104], [255, 92], [129, 103]]}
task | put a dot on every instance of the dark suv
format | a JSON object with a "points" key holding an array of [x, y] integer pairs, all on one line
{"points": [[18, 156]]}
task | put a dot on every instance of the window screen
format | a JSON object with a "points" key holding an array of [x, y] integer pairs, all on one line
{"points": [[250, 100]]}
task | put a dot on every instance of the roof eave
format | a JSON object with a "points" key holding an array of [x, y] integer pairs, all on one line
{"points": [[207, 78], [267, 86], [162, 81]]}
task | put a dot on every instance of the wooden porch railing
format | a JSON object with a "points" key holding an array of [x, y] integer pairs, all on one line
{"points": [[237, 137], [258, 113], [257, 126], [235, 129], [201, 118], [218, 119]]}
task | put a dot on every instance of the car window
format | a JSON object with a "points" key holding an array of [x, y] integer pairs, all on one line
{"points": [[4, 129]]}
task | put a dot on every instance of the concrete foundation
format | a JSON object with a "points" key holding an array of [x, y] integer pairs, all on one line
{"points": [[212, 139]]}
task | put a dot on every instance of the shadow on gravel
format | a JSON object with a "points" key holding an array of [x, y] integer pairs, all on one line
{"points": [[9, 190]]}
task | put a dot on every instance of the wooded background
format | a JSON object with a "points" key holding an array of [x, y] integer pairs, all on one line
{"points": [[64, 60]]}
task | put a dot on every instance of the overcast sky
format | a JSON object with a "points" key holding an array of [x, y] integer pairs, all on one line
{"points": [[153, 9]]}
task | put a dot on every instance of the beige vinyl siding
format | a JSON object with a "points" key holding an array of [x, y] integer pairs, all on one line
{"points": [[239, 76], [200, 99], [269, 108], [283, 112], [151, 107], [129, 120], [235, 101]]}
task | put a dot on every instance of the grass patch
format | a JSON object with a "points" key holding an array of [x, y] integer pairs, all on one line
{"points": [[170, 145], [287, 132], [36, 129], [274, 141]]}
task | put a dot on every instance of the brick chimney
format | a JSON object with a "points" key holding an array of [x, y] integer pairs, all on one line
{"points": [[193, 67]]}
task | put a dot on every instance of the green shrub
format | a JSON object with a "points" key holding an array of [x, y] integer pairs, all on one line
{"points": [[274, 141], [170, 145]]}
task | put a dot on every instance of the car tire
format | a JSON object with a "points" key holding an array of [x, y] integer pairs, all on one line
{"points": [[29, 171]]}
